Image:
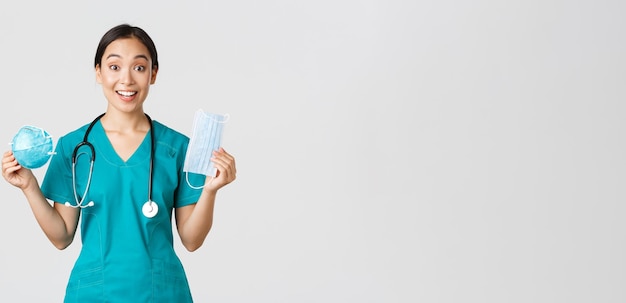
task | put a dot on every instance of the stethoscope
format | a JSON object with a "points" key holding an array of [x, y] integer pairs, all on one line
{"points": [[149, 209]]}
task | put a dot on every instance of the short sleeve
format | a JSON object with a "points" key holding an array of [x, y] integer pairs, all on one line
{"points": [[57, 182], [187, 195]]}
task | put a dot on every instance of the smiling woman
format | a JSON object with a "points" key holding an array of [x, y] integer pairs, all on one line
{"points": [[126, 73], [139, 171]]}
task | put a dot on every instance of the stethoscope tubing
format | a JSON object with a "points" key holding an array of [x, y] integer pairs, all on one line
{"points": [[85, 142]]}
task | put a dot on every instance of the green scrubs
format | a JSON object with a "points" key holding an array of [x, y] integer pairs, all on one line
{"points": [[125, 257]]}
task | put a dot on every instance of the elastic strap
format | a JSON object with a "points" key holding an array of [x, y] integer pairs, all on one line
{"points": [[196, 187]]}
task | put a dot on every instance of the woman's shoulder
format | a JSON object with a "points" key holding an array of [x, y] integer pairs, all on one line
{"points": [[76, 134], [165, 133]]}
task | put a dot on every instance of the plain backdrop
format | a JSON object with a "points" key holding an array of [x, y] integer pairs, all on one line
{"points": [[387, 151]]}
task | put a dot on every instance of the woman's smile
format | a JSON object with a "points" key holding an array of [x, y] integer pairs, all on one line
{"points": [[126, 95]]}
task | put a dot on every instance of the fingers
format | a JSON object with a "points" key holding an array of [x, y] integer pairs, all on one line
{"points": [[9, 163], [225, 164], [221, 153], [8, 156], [10, 168]]}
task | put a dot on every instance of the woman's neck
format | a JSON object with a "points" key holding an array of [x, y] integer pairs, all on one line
{"points": [[125, 122]]}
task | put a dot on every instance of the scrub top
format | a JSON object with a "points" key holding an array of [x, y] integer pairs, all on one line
{"points": [[125, 256]]}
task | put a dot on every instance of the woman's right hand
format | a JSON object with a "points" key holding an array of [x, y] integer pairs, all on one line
{"points": [[14, 173]]}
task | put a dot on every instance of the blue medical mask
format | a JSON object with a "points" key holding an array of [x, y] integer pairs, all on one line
{"points": [[206, 138], [32, 147]]}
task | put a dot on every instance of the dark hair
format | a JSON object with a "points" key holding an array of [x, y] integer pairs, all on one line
{"points": [[126, 31]]}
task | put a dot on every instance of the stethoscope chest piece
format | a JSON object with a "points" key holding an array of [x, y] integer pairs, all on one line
{"points": [[150, 209]]}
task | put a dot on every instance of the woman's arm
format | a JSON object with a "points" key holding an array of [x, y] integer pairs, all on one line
{"points": [[194, 221], [58, 222]]}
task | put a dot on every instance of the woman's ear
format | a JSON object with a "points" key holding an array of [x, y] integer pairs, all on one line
{"points": [[98, 74], [155, 69]]}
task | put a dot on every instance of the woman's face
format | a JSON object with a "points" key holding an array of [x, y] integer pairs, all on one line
{"points": [[126, 74]]}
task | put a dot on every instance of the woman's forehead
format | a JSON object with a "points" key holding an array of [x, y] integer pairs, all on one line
{"points": [[126, 48]]}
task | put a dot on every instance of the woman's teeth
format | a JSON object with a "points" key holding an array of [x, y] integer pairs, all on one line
{"points": [[126, 94]]}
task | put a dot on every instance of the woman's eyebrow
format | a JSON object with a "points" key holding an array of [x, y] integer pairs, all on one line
{"points": [[136, 57], [113, 55], [142, 56]]}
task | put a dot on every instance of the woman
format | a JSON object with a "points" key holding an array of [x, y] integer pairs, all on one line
{"points": [[128, 194]]}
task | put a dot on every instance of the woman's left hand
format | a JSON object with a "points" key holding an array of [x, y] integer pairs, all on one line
{"points": [[226, 170]]}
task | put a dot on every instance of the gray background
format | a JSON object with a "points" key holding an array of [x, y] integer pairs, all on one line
{"points": [[387, 151]]}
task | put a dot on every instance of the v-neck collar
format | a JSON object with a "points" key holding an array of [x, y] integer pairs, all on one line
{"points": [[104, 148]]}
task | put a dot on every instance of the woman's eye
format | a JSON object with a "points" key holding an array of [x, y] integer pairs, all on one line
{"points": [[140, 68], [114, 67]]}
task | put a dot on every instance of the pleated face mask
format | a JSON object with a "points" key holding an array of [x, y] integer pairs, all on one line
{"points": [[206, 138], [32, 147]]}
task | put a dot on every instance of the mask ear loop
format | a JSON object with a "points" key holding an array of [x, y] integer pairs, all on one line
{"points": [[51, 153], [225, 119], [196, 187]]}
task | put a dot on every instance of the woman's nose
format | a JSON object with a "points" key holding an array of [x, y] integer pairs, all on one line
{"points": [[126, 77]]}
